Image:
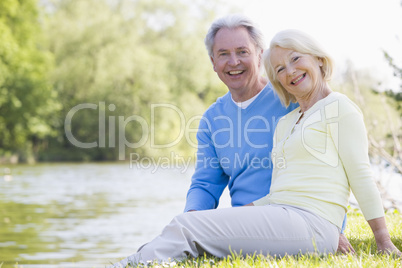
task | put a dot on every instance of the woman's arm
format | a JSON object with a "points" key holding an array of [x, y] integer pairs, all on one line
{"points": [[353, 152], [382, 237]]}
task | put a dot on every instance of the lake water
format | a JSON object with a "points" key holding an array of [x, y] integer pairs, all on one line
{"points": [[84, 215], [88, 215]]}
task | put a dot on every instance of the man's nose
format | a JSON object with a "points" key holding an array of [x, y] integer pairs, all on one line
{"points": [[234, 59]]}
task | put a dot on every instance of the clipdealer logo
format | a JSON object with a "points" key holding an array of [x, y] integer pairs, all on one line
{"points": [[330, 112], [328, 115], [231, 132], [147, 130]]}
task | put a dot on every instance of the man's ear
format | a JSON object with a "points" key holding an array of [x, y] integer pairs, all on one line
{"points": [[213, 63], [260, 57]]}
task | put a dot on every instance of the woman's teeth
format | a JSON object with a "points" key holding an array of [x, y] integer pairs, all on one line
{"points": [[298, 79]]}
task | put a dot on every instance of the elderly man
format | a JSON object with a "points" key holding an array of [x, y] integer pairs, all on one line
{"points": [[236, 132]]}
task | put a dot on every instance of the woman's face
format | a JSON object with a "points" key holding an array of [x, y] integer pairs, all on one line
{"points": [[298, 73]]}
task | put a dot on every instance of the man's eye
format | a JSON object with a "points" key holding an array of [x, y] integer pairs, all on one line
{"points": [[243, 53]]}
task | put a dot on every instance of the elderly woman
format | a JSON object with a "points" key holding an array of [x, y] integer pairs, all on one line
{"points": [[321, 145], [319, 154]]}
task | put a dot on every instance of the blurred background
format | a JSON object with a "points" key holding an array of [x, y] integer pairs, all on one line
{"points": [[100, 100]]}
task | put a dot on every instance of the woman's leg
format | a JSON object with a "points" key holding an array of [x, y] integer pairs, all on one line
{"points": [[272, 229]]}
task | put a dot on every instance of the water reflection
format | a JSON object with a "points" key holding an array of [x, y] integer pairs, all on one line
{"points": [[84, 215]]}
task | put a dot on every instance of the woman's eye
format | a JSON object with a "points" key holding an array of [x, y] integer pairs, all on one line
{"points": [[296, 58], [279, 70]]}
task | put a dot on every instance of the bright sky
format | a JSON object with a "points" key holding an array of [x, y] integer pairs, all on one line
{"points": [[355, 30]]}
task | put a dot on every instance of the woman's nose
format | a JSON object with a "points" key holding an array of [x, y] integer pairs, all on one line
{"points": [[291, 71]]}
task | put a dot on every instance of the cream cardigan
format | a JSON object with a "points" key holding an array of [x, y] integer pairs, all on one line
{"points": [[317, 161]]}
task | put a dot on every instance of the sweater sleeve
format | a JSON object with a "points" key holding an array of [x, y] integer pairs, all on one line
{"points": [[209, 179], [353, 153], [265, 199]]}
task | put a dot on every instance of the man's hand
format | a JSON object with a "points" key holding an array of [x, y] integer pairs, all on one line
{"points": [[344, 246]]}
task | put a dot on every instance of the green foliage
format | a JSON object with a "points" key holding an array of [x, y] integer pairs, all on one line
{"points": [[122, 56], [392, 93], [130, 54], [397, 70], [27, 101], [397, 97]]}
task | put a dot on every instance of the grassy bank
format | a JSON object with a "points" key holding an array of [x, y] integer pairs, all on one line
{"points": [[358, 233]]}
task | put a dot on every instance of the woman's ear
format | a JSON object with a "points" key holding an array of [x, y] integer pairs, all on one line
{"points": [[320, 62]]}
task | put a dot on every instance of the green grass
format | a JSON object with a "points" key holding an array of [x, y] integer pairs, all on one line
{"points": [[358, 232]]}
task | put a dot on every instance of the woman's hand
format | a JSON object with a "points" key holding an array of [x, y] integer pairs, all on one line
{"points": [[382, 237], [388, 248], [344, 246]]}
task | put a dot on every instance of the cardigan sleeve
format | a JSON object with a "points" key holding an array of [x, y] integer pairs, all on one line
{"points": [[353, 153]]}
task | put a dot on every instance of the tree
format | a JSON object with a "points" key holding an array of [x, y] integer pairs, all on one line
{"points": [[395, 94], [395, 130], [27, 101], [130, 55]]}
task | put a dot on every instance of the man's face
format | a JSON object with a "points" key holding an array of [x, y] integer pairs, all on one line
{"points": [[236, 59]]}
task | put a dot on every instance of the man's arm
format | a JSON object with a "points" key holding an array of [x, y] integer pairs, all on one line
{"points": [[209, 179]]}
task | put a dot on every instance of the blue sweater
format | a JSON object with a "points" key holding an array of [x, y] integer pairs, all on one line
{"points": [[234, 150]]}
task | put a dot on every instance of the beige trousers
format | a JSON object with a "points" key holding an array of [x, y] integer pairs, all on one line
{"points": [[272, 229]]}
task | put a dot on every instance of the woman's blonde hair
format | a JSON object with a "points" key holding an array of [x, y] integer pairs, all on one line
{"points": [[298, 41]]}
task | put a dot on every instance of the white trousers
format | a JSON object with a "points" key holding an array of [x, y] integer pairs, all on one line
{"points": [[272, 229]]}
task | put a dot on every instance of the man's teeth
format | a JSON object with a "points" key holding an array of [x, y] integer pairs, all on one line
{"points": [[235, 72], [298, 79]]}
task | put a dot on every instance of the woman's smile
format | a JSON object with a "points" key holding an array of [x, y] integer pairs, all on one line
{"points": [[298, 79]]}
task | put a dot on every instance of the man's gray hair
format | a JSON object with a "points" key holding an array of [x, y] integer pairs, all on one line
{"points": [[232, 22]]}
